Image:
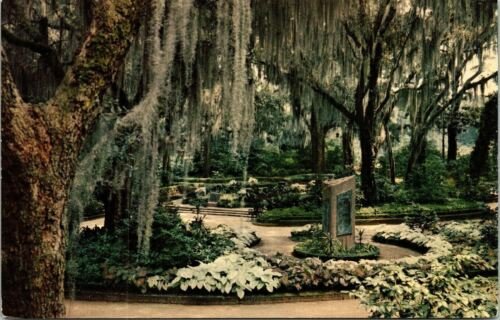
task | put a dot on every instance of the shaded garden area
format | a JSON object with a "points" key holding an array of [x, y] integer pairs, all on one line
{"points": [[151, 116]]}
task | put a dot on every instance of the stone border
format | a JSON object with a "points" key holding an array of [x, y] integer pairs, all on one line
{"points": [[197, 299], [464, 214]]}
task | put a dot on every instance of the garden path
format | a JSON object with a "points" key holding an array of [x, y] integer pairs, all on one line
{"points": [[274, 239], [318, 309]]}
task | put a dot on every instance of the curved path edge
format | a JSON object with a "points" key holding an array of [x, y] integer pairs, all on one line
{"points": [[197, 299]]}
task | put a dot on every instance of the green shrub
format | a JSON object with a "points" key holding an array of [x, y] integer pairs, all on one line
{"points": [[306, 232], [422, 220], [227, 274], [427, 290], [388, 210], [292, 213], [466, 188], [229, 201], [101, 256], [489, 233], [312, 273], [276, 195], [427, 181], [467, 232], [325, 247]]}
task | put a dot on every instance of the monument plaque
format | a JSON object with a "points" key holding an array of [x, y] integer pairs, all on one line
{"points": [[339, 209], [344, 224], [326, 221]]}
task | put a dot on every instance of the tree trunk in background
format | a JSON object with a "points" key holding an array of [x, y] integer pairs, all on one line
{"points": [[347, 147], [417, 148], [453, 134], [110, 201], [206, 155], [39, 153], [318, 136], [166, 169], [452, 142], [487, 133], [417, 154], [368, 185], [390, 155]]}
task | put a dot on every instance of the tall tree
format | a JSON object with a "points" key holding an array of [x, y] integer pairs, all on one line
{"points": [[450, 62], [488, 131], [39, 152], [354, 68]]}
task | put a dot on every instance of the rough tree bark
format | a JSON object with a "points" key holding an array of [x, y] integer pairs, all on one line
{"points": [[39, 153], [487, 133]]}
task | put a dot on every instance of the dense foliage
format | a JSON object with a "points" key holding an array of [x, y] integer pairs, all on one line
{"points": [[102, 256], [326, 248], [390, 210], [428, 290], [232, 273]]}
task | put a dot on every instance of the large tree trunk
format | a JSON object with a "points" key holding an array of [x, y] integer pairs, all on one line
{"points": [[347, 147], [318, 136], [39, 153], [368, 185], [487, 133]]}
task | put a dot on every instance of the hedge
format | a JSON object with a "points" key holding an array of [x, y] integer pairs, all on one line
{"points": [[390, 210]]}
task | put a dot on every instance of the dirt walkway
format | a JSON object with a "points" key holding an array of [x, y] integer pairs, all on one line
{"points": [[320, 309]]}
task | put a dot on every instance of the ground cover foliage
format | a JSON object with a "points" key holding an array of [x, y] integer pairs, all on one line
{"points": [[111, 258], [445, 282], [451, 279], [314, 242]]}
